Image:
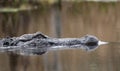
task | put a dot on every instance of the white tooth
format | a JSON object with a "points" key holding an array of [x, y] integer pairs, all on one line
{"points": [[102, 43]]}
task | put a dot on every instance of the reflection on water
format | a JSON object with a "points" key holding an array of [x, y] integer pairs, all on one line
{"points": [[102, 43]]}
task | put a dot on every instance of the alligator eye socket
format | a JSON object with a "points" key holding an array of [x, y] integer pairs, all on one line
{"points": [[91, 43], [6, 43]]}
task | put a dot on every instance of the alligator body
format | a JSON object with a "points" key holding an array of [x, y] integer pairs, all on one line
{"points": [[38, 44]]}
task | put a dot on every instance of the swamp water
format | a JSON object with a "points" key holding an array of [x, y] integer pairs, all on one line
{"points": [[76, 21]]}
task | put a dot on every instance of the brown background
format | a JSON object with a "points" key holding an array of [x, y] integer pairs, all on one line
{"points": [[73, 20]]}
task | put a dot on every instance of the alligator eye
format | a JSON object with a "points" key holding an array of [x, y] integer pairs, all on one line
{"points": [[91, 43], [6, 43]]}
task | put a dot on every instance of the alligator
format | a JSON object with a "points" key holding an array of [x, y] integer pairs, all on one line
{"points": [[38, 44]]}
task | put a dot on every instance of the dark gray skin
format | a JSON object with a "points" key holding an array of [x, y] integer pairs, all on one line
{"points": [[38, 44]]}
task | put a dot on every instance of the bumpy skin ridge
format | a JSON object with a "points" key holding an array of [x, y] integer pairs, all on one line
{"points": [[38, 43]]}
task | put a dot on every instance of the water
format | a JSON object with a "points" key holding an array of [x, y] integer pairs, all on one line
{"points": [[77, 20]]}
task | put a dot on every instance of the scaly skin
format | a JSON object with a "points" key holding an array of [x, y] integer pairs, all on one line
{"points": [[37, 44]]}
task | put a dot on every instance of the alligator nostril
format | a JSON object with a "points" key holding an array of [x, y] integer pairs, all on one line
{"points": [[91, 43]]}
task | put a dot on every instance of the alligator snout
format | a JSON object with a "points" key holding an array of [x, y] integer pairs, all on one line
{"points": [[90, 42]]}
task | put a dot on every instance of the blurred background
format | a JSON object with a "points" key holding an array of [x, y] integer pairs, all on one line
{"points": [[62, 18]]}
